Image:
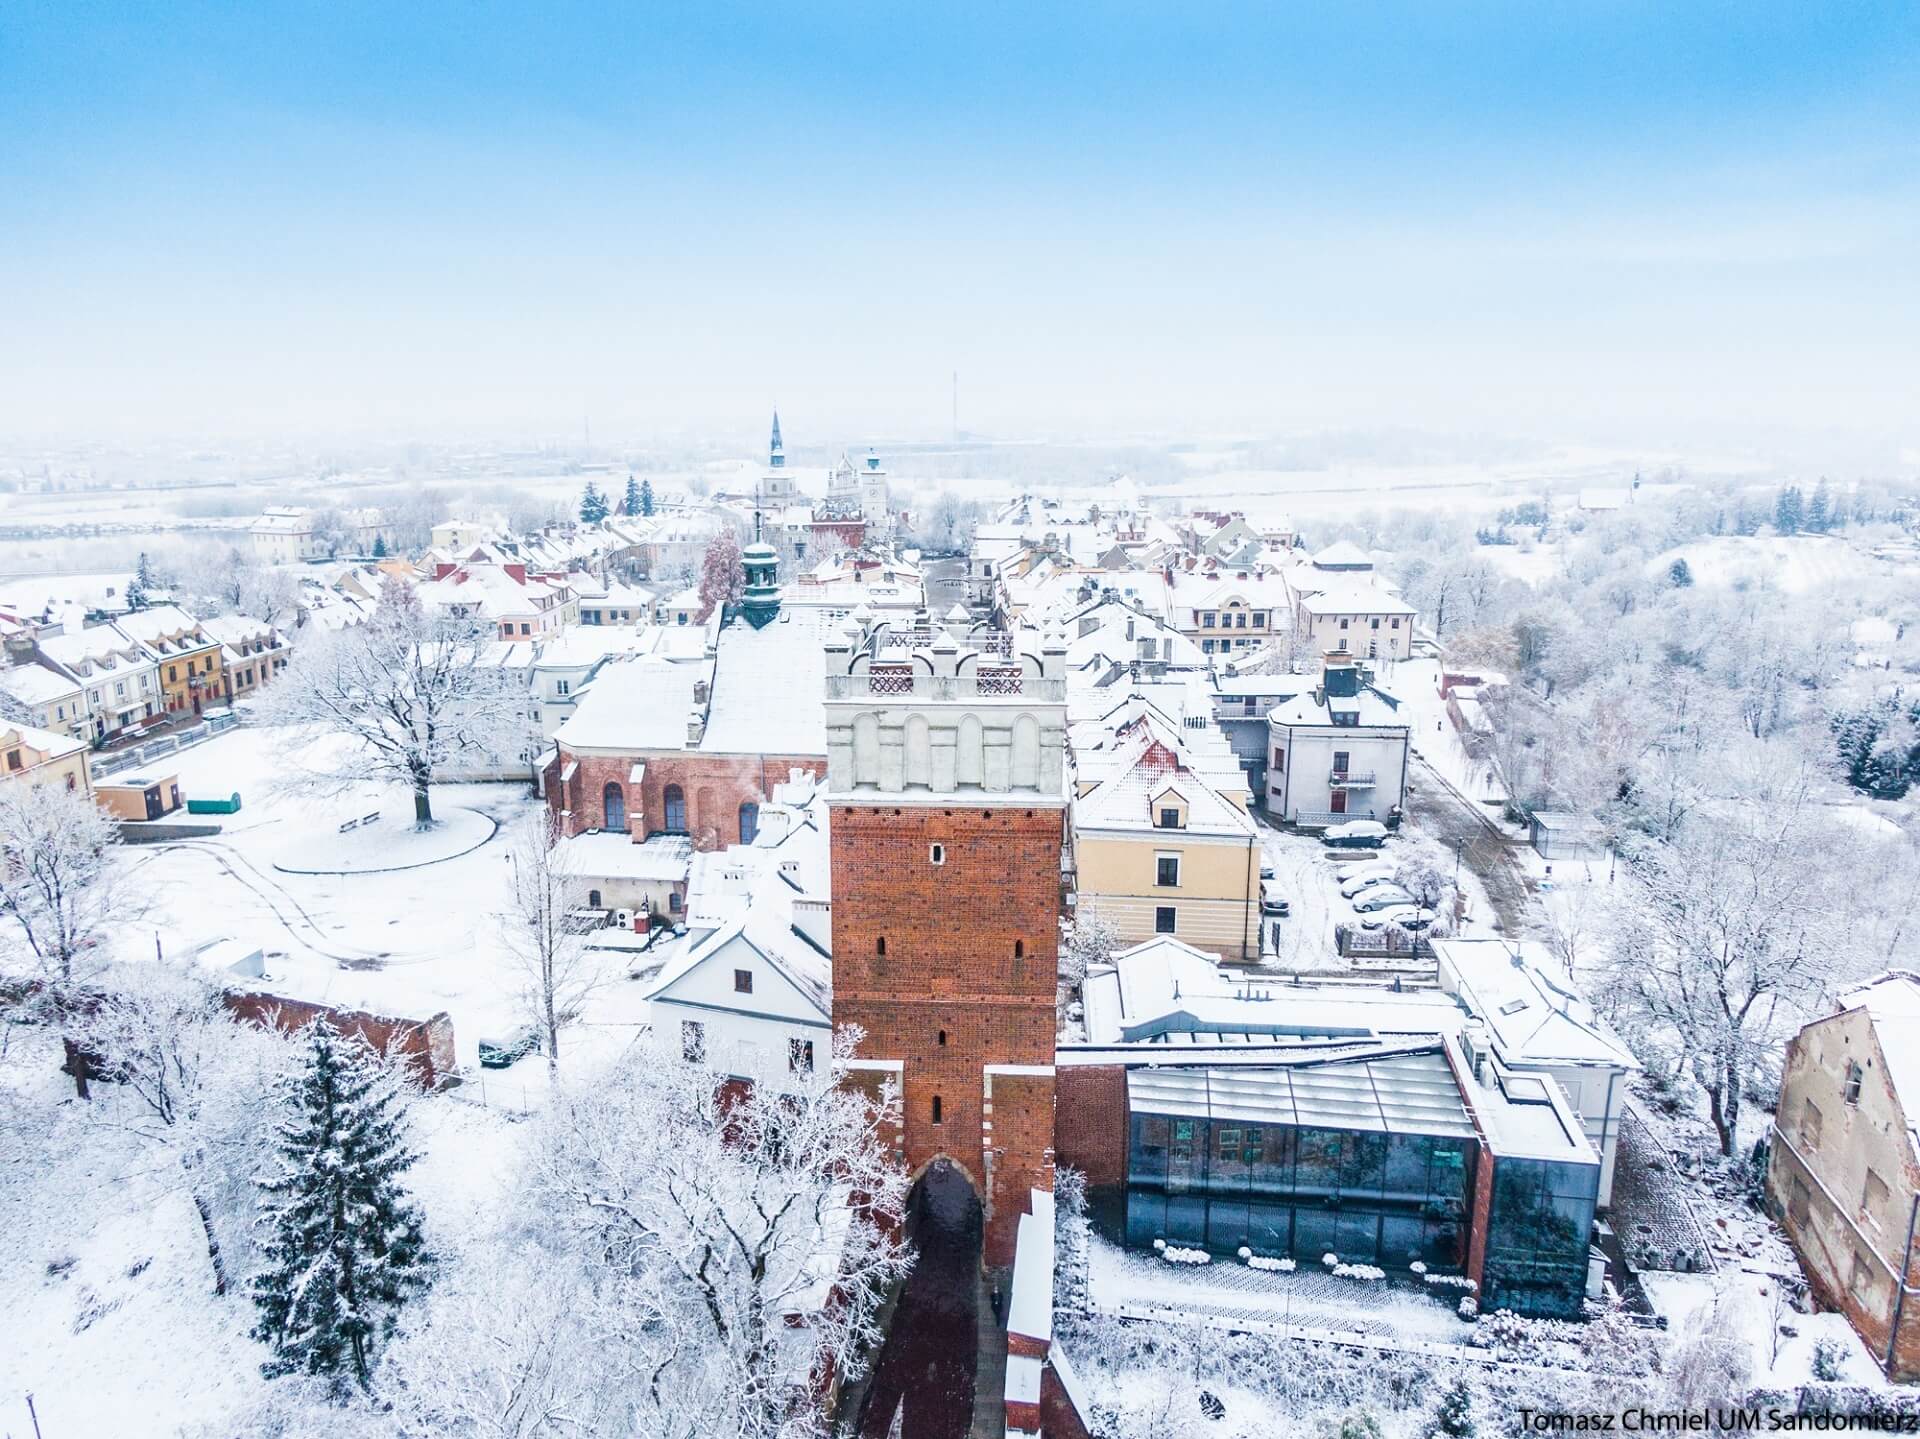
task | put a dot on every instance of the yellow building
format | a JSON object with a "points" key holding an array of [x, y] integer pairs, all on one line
{"points": [[41, 757], [191, 674], [1162, 843]]}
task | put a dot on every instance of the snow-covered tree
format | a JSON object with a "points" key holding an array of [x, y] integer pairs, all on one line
{"points": [[593, 505], [186, 1079], [61, 897], [1454, 1417], [1820, 508], [631, 504], [332, 530], [554, 971], [1086, 939], [1789, 511], [740, 1244], [1728, 941], [1426, 884], [1680, 574], [140, 589], [344, 1247], [379, 547], [410, 691], [646, 497], [723, 576]]}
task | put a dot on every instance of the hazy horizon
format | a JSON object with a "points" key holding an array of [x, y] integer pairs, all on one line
{"points": [[1605, 224]]}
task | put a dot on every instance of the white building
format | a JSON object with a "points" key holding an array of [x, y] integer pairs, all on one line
{"points": [[1337, 752], [122, 680]]}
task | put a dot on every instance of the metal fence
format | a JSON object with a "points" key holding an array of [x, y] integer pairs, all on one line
{"points": [[139, 756]]}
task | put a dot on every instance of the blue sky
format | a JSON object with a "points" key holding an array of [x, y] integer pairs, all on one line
{"points": [[1669, 223]]}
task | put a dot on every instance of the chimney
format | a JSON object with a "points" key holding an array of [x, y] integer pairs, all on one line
{"points": [[1340, 675], [700, 693], [1473, 1040]]}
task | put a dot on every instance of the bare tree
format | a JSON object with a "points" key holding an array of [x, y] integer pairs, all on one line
{"points": [[1086, 939], [554, 969], [747, 1241], [61, 897], [187, 1081], [411, 691], [1727, 941]]}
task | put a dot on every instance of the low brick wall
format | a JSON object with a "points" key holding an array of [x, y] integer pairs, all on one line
{"points": [[425, 1046]]}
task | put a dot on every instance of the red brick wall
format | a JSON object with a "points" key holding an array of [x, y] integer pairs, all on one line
{"points": [[1058, 1418], [715, 787], [1016, 1144], [950, 968], [1092, 1100], [426, 1045]]}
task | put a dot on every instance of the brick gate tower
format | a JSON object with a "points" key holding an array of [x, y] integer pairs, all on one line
{"points": [[945, 776]]}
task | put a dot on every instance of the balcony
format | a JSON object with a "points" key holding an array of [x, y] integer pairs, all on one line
{"points": [[1351, 779]]}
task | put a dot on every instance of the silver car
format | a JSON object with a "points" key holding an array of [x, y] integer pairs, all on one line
{"points": [[1380, 896]]}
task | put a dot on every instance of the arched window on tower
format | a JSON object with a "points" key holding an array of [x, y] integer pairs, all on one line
{"points": [[613, 805], [749, 822], [880, 946], [1019, 949], [673, 805], [936, 1109]]}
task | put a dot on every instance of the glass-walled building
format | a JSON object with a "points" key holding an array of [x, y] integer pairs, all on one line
{"points": [[1371, 1160], [1377, 1160]]}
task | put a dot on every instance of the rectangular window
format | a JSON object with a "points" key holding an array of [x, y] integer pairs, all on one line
{"points": [[693, 1041], [1343, 622], [743, 981], [1206, 620], [1395, 625], [1206, 647], [1240, 620], [1340, 761], [1343, 644], [1873, 1199], [1809, 1124], [1169, 818], [1163, 919], [800, 1056], [1167, 871], [1259, 619], [173, 673], [1851, 1091], [1280, 760], [1798, 1203]]}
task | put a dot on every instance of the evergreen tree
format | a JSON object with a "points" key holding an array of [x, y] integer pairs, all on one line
{"points": [[1820, 509], [1679, 574], [646, 497], [1789, 512], [144, 582], [1454, 1418], [379, 547], [632, 505], [343, 1246], [593, 505]]}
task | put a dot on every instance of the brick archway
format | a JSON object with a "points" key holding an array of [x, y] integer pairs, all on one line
{"points": [[916, 1175]]}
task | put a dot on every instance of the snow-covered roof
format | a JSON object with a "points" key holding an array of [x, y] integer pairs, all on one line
{"points": [[613, 854], [1143, 766], [641, 703], [579, 646], [1893, 1000], [767, 931], [53, 746], [1354, 599], [1343, 555], [769, 689], [97, 645], [36, 685], [167, 629], [1372, 708], [1528, 1004]]}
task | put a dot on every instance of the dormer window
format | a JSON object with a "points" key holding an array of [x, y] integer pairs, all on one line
{"points": [[1170, 817]]}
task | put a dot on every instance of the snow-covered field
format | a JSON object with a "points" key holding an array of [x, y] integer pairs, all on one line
{"points": [[410, 942]]}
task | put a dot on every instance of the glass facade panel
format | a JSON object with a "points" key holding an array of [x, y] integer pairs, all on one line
{"points": [[1370, 1198], [1538, 1235]]}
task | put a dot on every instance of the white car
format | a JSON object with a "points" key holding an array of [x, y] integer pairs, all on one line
{"points": [[1407, 916], [1359, 879], [1355, 834], [1380, 896]]}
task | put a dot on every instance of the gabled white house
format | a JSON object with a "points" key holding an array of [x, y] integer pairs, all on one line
{"points": [[753, 1000]]}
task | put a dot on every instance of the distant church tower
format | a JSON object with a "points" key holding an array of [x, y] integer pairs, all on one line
{"points": [[776, 452], [946, 783]]}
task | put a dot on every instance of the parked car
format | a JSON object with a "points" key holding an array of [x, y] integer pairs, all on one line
{"points": [[1352, 881], [1381, 896], [514, 1045], [1272, 901], [1266, 871], [1407, 916], [1356, 834]]}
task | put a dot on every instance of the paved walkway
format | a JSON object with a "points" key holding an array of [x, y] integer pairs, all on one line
{"points": [[1652, 1216], [1439, 811], [989, 1371]]}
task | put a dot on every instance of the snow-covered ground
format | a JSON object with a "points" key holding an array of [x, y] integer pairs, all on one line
{"points": [[411, 942], [1793, 563]]}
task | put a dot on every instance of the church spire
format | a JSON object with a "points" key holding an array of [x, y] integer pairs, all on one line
{"points": [[776, 452]]}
